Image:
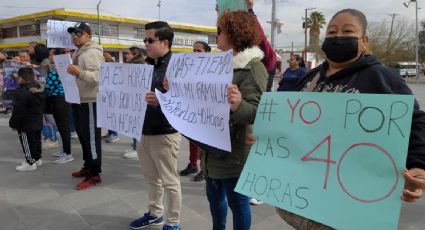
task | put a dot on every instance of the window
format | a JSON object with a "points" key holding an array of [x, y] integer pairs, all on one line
{"points": [[29, 30], [106, 30], [11, 32], [140, 33], [212, 39]]}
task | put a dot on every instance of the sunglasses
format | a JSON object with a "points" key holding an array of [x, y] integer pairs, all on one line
{"points": [[218, 30], [197, 51], [77, 34], [150, 40]]}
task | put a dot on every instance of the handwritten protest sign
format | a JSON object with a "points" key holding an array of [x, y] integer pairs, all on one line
{"points": [[196, 103], [57, 34], [72, 94], [334, 158], [121, 104], [230, 5]]}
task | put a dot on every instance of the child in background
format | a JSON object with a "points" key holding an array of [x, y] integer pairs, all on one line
{"points": [[27, 118]]}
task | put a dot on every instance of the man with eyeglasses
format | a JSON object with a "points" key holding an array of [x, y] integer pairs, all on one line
{"points": [[85, 67], [160, 142]]}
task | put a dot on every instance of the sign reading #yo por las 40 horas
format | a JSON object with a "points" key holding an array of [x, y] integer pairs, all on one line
{"points": [[334, 158], [121, 104], [196, 103]]}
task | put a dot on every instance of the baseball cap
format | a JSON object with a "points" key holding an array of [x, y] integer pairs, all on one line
{"points": [[80, 27]]}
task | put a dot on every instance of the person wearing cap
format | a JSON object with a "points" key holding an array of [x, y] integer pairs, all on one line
{"points": [[27, 118], [86, 69]]}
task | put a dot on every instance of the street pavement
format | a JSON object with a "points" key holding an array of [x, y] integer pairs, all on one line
{"points": [[46, 199]]}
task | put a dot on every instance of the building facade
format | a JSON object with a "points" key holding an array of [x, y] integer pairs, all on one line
{"points": [[116, 34]]}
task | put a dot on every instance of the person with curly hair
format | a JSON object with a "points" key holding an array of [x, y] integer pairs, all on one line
{"points": [[236, 31]]}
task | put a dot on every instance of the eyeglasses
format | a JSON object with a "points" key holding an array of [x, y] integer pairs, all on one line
{"points": [[150, 40], [77, 34]]}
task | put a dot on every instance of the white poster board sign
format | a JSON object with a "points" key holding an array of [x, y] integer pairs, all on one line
{"points": [[196, 102], [72, 94], [121, 104], [57, 34]]}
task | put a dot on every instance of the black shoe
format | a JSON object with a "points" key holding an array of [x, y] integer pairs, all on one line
{"points": [[199, 177], [189, 170]]}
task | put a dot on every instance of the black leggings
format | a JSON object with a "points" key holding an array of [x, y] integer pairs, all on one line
{"points": [[61, 110]]}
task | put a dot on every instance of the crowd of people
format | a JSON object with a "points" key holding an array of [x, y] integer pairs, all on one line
{"points": [[347, 69]]}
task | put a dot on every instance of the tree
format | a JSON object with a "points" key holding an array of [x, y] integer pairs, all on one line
{"points": [[399, 47], [315, 22]]}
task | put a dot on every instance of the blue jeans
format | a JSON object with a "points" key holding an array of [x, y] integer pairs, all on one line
{"points": [[220, 193]]}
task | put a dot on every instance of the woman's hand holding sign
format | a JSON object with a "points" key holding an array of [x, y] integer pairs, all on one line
{"points": [[234, 97], [414, 185]]}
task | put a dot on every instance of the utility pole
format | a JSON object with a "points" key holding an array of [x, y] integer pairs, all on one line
{"points": [[305, 33], [159, 9], [98, 21], [273, 24], [391, 31], [417, 41]]}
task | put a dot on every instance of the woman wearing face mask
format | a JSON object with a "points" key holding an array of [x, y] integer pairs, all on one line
{"points": [[292, 74], [349, 70]]}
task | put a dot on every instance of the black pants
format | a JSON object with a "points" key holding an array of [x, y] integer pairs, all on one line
{"points": [[60, 109], [89, 136], [31, 145]]}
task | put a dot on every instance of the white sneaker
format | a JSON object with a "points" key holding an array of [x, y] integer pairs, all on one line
{"points": [[39, 162], [63, 159], [74, 135], [130, 154], [255, 201], [58, 154], [47, 144], [26, 167]]}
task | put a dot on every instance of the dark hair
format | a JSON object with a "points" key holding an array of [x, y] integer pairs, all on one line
{"points": [[163, 31], [355, 13], [135, 51], [143, 52], [300, 60], [26, 73], [241, 29], [207, 48], [41, 52], [58, 51]]}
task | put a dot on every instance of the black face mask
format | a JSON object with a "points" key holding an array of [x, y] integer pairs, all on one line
{"points": [[340, 49]]}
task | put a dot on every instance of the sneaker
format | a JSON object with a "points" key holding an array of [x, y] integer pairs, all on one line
{"points": [[63, 159], [82, 173], [131, 154], [189, 170], [88, 182], [146, 220], [104, 137], [199, 177], [74, 135], [60, 153], [112, 138], [47, 144], [171, 227], [26, 167], [39, 162], [254, 201]]}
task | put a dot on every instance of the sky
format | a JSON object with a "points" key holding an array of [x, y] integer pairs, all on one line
{"points": [[202, 12]]}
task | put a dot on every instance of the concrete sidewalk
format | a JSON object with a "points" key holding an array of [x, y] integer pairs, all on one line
{"points": [[46, 198]]}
